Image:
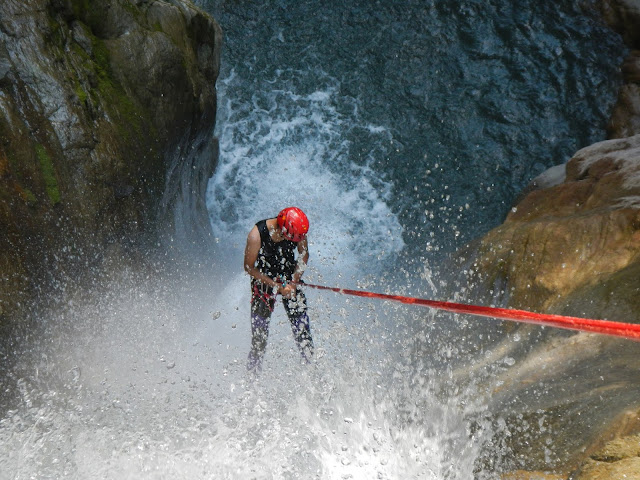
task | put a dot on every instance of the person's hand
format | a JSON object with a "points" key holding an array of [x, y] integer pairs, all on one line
{"points": [[288, 291]]}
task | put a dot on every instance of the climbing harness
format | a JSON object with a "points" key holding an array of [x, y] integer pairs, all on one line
{"points": [[267, 298]]}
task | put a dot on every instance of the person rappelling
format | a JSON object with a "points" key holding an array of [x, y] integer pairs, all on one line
{"points": [[270, 260]]}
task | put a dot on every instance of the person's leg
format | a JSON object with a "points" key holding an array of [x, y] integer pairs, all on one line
{"points": [[296, 309], [261, 308], [259, 334]]}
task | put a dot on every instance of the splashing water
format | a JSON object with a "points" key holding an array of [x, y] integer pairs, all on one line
{"points": [[290, 149], [402, 129], [148, 380]]}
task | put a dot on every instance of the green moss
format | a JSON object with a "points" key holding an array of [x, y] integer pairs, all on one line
{"points": [[101, 54], [56, 36], [49, 174], [108, 92], [95, 82], [80, 8], [80, 93], [135, 11], [117, 101], [111, 94], [29, 197]]}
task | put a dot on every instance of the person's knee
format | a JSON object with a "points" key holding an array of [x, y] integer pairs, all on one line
{"points": [[296, 308]]}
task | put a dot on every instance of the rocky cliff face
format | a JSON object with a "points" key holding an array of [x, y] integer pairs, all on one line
{"points": [[106, 116], [624, 17], [576, 234], [567, 242], [572, 246]]}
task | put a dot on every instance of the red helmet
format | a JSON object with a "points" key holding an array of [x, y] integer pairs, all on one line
{"points": [[293, 224]]}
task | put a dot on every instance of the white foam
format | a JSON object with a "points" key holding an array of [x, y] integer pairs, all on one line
{"points": [[293, 149], [150, 383]]}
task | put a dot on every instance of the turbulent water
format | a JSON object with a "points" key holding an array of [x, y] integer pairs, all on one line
{"points": [[404, 129]]}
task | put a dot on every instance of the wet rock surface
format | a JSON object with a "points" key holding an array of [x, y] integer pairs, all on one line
{"points": [[570, 238], [106, 116], [571, 245]]}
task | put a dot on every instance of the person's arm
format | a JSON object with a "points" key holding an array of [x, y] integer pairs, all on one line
{"points": [[251, 257], [289, 291], [303, 258]]}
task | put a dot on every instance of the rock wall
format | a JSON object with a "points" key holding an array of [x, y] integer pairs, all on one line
{"points": [[107, 109], [624, 17], [563, 244], [575, 235], [571, 245]]}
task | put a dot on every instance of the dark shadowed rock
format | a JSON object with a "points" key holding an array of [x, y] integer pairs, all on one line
{"points": [[624, 17], [106, 116]]}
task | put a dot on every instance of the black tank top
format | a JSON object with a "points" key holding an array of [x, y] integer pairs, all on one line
{"points": [[275, 258]]}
